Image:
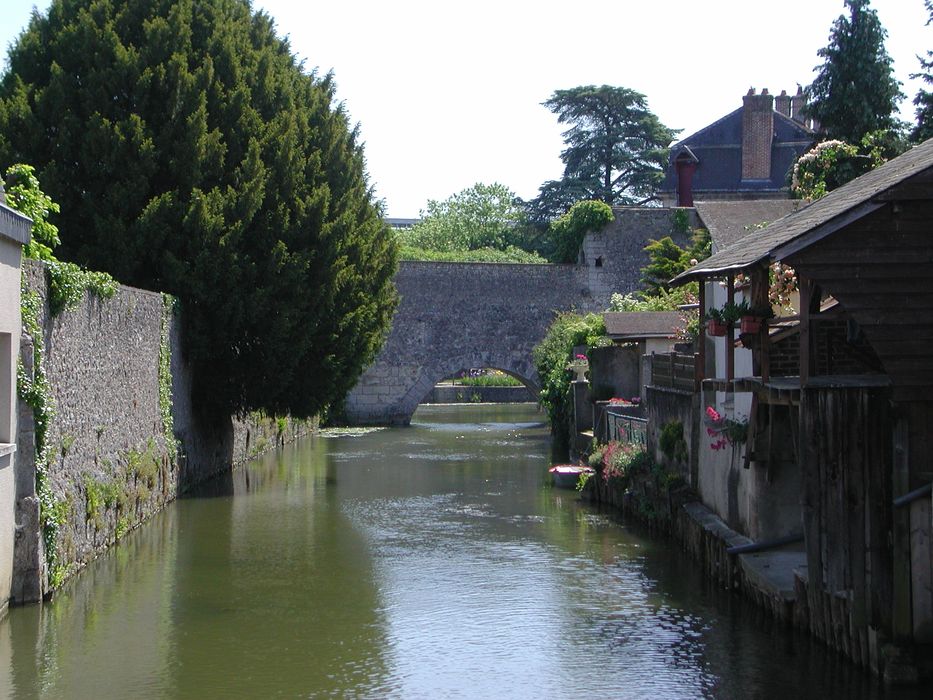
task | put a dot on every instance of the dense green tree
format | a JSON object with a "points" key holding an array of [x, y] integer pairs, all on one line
{"points": [[191, 152], [551, 357], [616, 149], [666, 260], [855, 91], [924, 98], [483, 223], [570, 229], [481, 216]]}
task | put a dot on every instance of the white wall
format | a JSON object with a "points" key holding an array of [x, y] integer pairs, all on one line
{"points": [[10, 330]]}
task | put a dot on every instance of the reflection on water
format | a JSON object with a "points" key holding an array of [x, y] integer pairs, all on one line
{"points": [[432, 561]]}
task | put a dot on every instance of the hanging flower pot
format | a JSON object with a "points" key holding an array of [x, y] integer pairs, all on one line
{"points": [[716, 328], [750, 324]]}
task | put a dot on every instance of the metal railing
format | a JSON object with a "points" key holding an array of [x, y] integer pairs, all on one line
{"points": [[626, 428]]}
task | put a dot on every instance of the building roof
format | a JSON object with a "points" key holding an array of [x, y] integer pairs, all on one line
{"points": [[395, 222], [717, 149], [638, 325], [14, 226], [795, 231], [728, 221]]}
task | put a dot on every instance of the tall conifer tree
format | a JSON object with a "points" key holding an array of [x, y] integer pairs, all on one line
{"points": [[924, 98], [616, 149], [855, 91], [192, 153]]}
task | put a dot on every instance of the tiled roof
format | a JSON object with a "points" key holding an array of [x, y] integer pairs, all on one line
{"points": [[729, 221], [718, 150], [634, 325], [768, 243]]}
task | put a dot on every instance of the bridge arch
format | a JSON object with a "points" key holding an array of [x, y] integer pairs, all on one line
{"points": [[457, 315], [520, 369]]}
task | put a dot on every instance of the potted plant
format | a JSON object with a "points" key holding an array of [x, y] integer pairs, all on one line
{"points": [[579, 365], [715, 324], [753, 317]]}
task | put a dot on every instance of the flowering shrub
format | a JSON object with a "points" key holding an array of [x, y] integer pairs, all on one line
{"points": [[815, 173], [724, 431], [783, 284], [616, 401], [617, 459]]}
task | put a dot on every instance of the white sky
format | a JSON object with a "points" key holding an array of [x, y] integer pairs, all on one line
{"points": [[448, 94]]}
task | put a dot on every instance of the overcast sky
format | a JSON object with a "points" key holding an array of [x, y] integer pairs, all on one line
{"points": [[448, 94]]}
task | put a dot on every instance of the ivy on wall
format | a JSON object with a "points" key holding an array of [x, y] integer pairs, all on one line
{"points": [[165, 377], [33, 388]]}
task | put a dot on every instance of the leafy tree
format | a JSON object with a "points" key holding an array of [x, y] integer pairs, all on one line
{"points": [[924, 98], [25, 195], [569, 230], [666, 260], [855, 91], [551, 357], [481, 216], [616, 148], [190, 152]]}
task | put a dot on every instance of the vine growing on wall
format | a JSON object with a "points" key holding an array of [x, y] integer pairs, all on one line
{"points": [[69, 282], [165, 377], [33, 388]]}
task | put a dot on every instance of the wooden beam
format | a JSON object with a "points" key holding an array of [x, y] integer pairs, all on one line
{"points": [[902, 603], [805, 289], [701, 338], [730, 332], [760, 298]]}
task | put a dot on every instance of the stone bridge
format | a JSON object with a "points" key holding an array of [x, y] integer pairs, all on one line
{"points": [[454, 316]]}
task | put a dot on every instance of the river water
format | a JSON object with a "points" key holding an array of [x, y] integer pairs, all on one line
{"points": [[424, 562]]}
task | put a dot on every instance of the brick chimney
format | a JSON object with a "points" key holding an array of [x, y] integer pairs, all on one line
{"points": [[797, 104], [757, 131], [782, 103]]}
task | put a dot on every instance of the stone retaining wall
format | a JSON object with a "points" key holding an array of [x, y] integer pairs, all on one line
{"points": [[110, 463]]}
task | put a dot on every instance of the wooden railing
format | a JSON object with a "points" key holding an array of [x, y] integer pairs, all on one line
{"points": [[674, 371]]}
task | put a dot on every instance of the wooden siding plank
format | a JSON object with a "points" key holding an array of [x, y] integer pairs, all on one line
{"points": [[921, 555]]}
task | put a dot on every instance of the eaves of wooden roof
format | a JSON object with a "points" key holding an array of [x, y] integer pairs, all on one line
{"points": [[840, 207]]}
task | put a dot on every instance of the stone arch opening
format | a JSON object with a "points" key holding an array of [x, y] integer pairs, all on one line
{"points": [[429, 375]]}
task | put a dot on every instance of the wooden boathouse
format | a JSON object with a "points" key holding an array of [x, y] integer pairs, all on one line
{"points": [[861, 442]]}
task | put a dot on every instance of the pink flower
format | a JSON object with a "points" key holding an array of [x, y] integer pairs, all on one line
{"points": [[713, 414]]}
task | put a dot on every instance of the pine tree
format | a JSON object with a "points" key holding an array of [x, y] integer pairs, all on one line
{"points": [[924, 98], [191, 153], [855, 91], [616, 149]]}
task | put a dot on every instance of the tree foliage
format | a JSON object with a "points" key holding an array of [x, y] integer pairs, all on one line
{"points": [[616, 149], [831, 164], [25, 195], [924, 98], [666, 260], [855, 91], [190, 152], [481, 216], [569, 230], [551, 357]]}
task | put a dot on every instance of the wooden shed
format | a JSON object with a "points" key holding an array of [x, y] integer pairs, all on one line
{"points": [[863, 443]]}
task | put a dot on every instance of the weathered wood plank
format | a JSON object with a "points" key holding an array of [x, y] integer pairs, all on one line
{"points": [[902, 625], [840, 270], [921, 567]]}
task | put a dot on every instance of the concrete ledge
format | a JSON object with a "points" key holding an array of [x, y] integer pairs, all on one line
{"points": [[7, 448]]}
